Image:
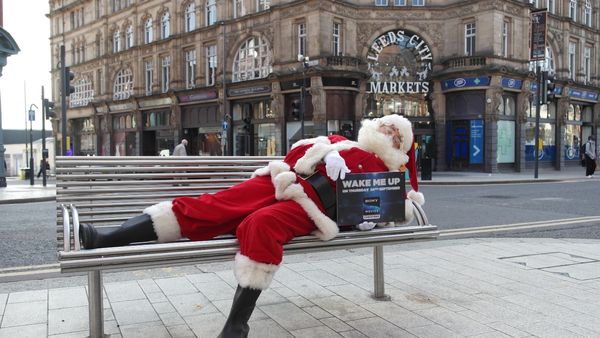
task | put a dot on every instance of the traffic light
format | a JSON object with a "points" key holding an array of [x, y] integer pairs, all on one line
{"points": [[247, 124], [49, 109], [296, 109], [69, 76], [547, 89]]}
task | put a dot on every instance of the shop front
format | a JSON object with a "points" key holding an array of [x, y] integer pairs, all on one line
{"points": [[579, 123]]}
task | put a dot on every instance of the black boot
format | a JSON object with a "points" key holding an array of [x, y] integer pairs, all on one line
{"points": [[137, 229], [244, 302]]}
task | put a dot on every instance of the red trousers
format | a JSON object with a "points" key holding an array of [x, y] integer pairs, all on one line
{"points": [[261, 223]]}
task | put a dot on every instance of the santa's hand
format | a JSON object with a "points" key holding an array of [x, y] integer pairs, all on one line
{"points": [[366, 225], [335, 165]]}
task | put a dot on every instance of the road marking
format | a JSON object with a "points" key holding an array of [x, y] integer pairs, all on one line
{"points": [[519, 226]]}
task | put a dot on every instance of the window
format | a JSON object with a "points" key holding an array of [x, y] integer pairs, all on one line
{"points": [[399, 2], [573, 10], [587, 64], [123, 86], [165, 73], [211, 12], [83, 93], [263, 5], [148, 76], [129, 37], [572, 48], [165, 22], [551, 6], [211, 64], [190, 17], [588, 13], [418, 2], [337, 39], [301, 33], [97, 8], [116, 41], [381, 3], [190, 69], [252, 60], [148, 34], [238, 8], [470, 33], [505, 35]]}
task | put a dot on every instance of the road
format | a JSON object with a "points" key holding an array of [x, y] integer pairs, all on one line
{"points": [[28, 231]]}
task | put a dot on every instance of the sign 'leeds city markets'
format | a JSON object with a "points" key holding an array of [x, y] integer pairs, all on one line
{"points": [[399, 62]]}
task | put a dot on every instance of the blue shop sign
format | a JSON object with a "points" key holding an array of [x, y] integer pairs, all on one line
{"points": [[465, 82], [583, 94], [533, 87], [476, 151], [511, 83]]}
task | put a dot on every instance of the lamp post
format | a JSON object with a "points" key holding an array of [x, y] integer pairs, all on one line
{"points": [[304, 60], [8, 47], [31, 119]]}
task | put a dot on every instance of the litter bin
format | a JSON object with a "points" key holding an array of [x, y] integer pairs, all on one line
{"points": [[426, 169], [24, 173]]}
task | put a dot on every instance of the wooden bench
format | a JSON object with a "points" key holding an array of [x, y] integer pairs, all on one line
{"points": [[105, 191]]}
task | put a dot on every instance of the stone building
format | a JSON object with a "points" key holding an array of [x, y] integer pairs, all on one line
{"points": [[250, 77]]}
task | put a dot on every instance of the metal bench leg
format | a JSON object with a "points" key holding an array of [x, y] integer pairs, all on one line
{"points": [[379, 287], [96, 307]]}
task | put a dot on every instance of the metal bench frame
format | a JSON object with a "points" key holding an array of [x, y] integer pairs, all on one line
{"points": [[108, 190]]}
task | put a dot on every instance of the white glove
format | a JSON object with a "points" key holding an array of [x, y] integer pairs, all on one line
{"points": [[366, 225], [335, 165]]}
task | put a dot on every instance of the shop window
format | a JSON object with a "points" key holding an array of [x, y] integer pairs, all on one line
{"points": [[547, 142], [156, 119], [505, 149], [252, 60], [83, 94], [341, 127], [574, 113], [266, 140], [572, 141], [123, 86], [586, 115], [507, 106]]}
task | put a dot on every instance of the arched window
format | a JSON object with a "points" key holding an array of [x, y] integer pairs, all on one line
{"points": [[148, 31], [190, 17], [117, 41], [165, 22], [123, 86], [83, 94], [129, 37], [252, 60], [546, 65]]}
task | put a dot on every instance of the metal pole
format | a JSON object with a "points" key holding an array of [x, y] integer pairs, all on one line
{"points": [[96, 311], [26, 119], [536, 152], [31, 171], [63, 103], [379, 282], [302, 98], [44, 165], [2, 171]]}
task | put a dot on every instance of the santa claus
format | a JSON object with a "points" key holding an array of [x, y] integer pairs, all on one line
{"points": [[283, 200]]}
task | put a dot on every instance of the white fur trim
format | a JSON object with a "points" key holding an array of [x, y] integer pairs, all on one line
{"points": [[307, 163], [314, 140], [264, 171], [252, 274], [417, 197], [165, 223], [281, 183], [273, 168]]}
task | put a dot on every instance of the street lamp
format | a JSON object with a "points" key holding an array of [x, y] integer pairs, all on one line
{"points": [[304, 60], [31, 119]]}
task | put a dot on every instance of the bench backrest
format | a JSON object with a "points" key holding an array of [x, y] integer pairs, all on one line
{"points": [[107, 190]]}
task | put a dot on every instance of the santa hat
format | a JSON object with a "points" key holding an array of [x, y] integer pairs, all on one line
{"points": [[405, 128]]}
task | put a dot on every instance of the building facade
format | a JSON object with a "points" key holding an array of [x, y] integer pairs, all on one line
{"points": [[250, 77]]}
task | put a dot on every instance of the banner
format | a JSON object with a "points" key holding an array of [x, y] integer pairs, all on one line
{"points": [[373, 197], [538, 35]]}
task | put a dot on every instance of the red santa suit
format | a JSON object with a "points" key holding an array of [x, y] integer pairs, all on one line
{"points": [[278, 204]]}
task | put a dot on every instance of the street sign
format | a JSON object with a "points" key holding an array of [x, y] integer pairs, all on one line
{"points": [[476, 155], [32, 115]]}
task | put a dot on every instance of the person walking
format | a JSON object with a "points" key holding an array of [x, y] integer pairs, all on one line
{"points": [[43, 163], [180, 149], [590, 157]]}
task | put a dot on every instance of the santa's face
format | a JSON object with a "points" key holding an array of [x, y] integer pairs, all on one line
{"points": [[392, 133]]}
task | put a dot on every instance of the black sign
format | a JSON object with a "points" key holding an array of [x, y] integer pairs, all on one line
{"points": [[372, 197], [538, 35]]}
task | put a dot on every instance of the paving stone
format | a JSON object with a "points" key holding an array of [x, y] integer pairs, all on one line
{"points": [[191, 304], [80, 334], [29, 331], [342, 308], [153, 329], [156, 297], [28, 296], [546, 260], [203, 278], [316, 312], [336, 324], [354, 294], [453, 321], [582, 271], [322, 277], [433, 331], [376, 327], [171, 319], [289, 316], [181, 331], [397, 315], [215, 290], [3, 299], [163, 307], [298, 267], [267, 328], [353, 334], [134, 312], [123, 291], [548, 330], [67, 297], [319, 331], [18, 314], [300, 301], [149, 286], [176, 286], [206, 325], [68, 320], [308, 289]]}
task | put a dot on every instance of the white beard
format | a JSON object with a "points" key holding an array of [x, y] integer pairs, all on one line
{"points": [[372, 140]]}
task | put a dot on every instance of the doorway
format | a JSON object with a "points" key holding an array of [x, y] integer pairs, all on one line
{"points": [[459, 144]]}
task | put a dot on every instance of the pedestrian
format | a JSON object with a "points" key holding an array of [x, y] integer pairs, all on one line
{"points": [[43, 163], [285, 199], [590, 157], [180, 149]]}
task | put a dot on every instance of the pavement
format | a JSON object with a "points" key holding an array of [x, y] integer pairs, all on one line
{"points": [[476, 287]]}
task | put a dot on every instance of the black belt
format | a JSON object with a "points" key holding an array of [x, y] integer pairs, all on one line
{"points": [[325, 192]]}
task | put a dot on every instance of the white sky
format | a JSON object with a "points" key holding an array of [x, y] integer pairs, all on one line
{"points": [[26, 72]]}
